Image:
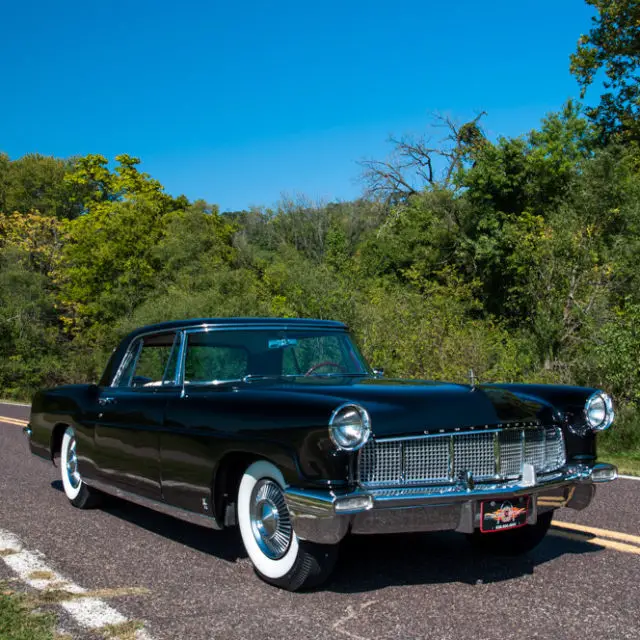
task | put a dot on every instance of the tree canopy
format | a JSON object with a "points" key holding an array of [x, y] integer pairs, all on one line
{"points": [[612, 46]]}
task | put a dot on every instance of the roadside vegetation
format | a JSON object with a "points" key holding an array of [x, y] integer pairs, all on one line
{"points": [[32, 616], [20, 621], [516, 257]]}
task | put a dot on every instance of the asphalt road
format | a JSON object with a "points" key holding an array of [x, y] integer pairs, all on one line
{"points": [[196, 583]]}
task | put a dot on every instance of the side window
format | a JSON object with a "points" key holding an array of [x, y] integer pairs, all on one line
{"points": [[208, 360], [151, 362]]}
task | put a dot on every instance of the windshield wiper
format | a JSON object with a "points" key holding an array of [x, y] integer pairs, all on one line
{"points": [[333, 375]]}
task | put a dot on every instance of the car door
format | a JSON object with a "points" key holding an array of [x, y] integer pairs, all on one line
{"points": [[131, 412], [197, 425]]}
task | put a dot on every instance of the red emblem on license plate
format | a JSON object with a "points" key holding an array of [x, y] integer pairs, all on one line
{"points": [[497, 515]]}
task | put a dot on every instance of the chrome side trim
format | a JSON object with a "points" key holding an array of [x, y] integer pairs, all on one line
{"points": [[162, 507]]}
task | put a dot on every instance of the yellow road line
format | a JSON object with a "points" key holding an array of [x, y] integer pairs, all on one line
{"points": [[600, 542], [16, 421], [615, 535]]}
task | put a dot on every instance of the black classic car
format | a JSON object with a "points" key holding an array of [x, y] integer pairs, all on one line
{"points": [[280, 427]]}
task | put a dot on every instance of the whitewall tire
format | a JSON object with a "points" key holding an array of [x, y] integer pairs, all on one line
{"points": [[277, 554], [79, 494]]}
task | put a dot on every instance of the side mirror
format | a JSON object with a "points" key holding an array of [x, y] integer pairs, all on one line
{"points": [[94, 390], [378, 372]]}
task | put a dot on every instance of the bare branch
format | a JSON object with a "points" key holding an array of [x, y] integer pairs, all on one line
{"points": [[416, 165]]}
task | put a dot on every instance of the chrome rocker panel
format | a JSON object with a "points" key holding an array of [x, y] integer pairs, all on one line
{"points": [[326, 517]]}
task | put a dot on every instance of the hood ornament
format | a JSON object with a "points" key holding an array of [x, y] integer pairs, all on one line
{"points": [[472, 380]]}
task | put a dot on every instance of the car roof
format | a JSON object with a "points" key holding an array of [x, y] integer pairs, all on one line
{"points": [[248, 323]]}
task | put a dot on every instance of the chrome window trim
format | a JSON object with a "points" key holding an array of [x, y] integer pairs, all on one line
{"points": [[200, 328], [138, 340], [180, 363], [135, 346], [166, 381], [206, 328], [122, 364], [184, 332]]}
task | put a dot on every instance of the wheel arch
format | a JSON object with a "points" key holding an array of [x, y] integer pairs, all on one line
{"points": [[226, 482], [56, 438]]}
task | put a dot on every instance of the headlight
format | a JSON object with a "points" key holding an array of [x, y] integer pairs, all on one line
{"points": [[598, 411], [349, 427]]}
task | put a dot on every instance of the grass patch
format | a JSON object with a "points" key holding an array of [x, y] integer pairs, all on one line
{"points": [[41, 575], [124, 631], [628, 465], [57, 595], [18, 620], [53, 596]]}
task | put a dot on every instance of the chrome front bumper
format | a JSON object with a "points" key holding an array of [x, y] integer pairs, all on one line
{"points": [[326, 516]]}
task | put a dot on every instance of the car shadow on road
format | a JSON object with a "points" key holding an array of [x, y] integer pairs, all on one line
{"points": [[225, 544], [373, 562], [369, 562]]}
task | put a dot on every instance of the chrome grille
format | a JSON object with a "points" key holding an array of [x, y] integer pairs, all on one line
{"points": [[473, 452], [421, 463], [495, 454], [510, 453]]}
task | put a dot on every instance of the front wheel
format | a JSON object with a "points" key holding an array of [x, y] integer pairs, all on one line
{"points": [[514, 542], [278, 556], [79, 494]]}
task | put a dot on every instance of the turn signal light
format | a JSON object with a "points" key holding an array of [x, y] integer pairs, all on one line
{"points": [[353, 504], [604, 472]]}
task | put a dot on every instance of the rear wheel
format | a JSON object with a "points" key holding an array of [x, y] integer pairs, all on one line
{"points": [[278, 556], [79, 494], [514, 542]]}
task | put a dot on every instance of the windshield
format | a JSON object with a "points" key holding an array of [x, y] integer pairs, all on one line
{"points": [[215, 357]]}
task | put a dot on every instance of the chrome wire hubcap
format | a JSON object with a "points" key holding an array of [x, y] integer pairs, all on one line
{"points": [[72, 465], [270, 521]]}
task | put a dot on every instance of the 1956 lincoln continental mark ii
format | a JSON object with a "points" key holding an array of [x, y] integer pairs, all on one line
{"points": [[281, 428]]}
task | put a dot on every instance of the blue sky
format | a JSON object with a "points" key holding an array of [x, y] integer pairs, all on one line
{"points": [[240, 102]]}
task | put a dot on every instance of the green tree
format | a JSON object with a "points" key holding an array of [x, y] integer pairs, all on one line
{"points": [[612, 45], [30, 343], [36, 183], [109, 261]]}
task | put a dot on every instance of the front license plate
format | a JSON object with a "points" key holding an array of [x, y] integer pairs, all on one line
{"points": [[498, 515]]}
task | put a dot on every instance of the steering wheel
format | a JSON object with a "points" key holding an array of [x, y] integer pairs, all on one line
{"points": [[326, 363]]}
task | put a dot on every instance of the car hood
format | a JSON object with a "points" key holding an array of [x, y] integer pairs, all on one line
{"points": [[405, 407]]}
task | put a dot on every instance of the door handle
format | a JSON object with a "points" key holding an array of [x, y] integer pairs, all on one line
{"points": [[105, 401]]}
